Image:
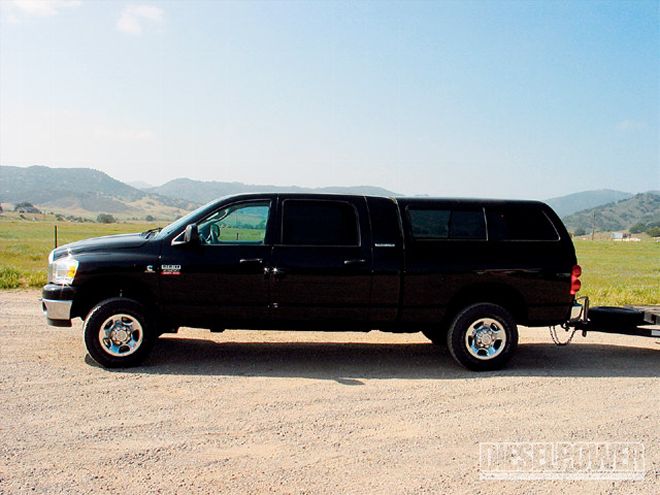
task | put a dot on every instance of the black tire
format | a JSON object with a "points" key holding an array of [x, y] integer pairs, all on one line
{"points": [[612, 317], [436, 336], [139, 341], [494, 324]]}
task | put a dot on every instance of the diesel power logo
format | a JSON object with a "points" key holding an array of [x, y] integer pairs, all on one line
{"points": [[561, 461], [170, 269]]}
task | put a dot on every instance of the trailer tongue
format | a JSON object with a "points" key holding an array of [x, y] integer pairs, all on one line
{"points": [[641, 321]]}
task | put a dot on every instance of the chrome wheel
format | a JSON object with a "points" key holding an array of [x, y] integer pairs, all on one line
{"points": [[121, 335], [485, 338]]}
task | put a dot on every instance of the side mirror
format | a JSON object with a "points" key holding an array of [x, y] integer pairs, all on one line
{"points": [[189, 236]]}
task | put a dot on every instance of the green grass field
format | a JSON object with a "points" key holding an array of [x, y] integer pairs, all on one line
{"points": [[24, 246], [620, 273], [614, 273]]}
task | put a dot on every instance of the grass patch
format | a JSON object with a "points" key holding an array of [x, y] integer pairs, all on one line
{"points": [[10, 278], [24, 246], [620, 273]]}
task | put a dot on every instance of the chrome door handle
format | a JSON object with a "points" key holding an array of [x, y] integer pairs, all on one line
{"points": [[277, 272], [251, 261], [355, 262]]}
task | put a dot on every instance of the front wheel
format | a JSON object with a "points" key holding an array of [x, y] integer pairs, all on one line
{"points": [[483, 337], [118, 333]]}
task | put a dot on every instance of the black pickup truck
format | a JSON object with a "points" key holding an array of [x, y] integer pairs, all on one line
{"points": [[464, 272]]}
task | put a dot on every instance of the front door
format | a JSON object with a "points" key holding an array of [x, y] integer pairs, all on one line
{"points": [[320, 269], [220, 280]]}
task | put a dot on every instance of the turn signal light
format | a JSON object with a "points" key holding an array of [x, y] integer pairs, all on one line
{"points": [[575, 279]]}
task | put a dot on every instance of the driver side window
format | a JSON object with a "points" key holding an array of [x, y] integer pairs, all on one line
{"points": [[244, 223]]}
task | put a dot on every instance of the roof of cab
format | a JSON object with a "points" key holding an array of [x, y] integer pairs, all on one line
{"points": [[400, 199]]}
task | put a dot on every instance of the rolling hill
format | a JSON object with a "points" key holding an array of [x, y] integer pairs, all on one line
{"points": [[620, 215], [84, 192], [87, 192], [572, 203]]}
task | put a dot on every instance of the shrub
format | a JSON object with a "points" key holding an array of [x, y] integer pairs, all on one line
{"points": [[653, 231], [26, 207], [10, 278], [35, 278], [638, 228], [105, 218]]}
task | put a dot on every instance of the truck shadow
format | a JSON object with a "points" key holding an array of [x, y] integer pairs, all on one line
{"points": [[347, 363]]}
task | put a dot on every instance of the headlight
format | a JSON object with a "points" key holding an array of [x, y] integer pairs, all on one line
{"points": [[63, 270]]}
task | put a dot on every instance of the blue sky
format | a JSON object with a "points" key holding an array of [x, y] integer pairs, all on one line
{"points": [[500, 99]]}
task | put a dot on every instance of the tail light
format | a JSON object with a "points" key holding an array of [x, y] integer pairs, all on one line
{"points": [[575, 279]]}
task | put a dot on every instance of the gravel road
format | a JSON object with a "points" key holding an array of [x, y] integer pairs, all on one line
{"points": [[306, 412]]}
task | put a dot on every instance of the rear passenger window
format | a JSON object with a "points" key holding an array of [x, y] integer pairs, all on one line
{"points": [[429, 224], [447, 224], [520, 224], [319, 223], [467, 225]]}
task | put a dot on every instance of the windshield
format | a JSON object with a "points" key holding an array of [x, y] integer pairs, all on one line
{"points": [[183, 221]]}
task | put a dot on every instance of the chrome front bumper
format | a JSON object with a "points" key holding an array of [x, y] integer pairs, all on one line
{"points": [[58, 313]]}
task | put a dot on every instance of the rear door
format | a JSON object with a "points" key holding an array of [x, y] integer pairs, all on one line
{"points": [[387, 242], [321, 266]]}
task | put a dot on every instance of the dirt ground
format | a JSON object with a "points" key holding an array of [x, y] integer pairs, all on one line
{"points": [[305, 412]]}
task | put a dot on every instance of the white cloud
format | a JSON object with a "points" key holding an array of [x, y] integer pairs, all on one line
{"points": [[629, 125], [42, 8], [134, 17]]}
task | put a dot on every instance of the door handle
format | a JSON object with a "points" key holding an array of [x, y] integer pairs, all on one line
{"points": [[355, 262], [251, 261], [277, 272]]}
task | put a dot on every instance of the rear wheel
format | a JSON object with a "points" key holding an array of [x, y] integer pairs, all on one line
{"points": [[118, 333], [483, 337]]}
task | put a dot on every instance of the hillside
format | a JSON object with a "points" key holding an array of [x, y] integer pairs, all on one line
{"points": [[44, 184], [83, 192], [620, 215], [572, 203], [87, 192], [138, 184], [205, 191]]}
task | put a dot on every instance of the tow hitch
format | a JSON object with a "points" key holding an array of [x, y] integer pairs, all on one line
{"points": [[641, 321]]}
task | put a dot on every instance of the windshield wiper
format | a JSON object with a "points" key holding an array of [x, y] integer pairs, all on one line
{"points": [[148, 233]]}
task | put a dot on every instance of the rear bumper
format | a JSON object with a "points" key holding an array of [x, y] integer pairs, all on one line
{"points": [[56, 304]]}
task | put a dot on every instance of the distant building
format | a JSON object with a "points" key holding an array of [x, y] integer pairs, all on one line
{"points": [[624, 237]]}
